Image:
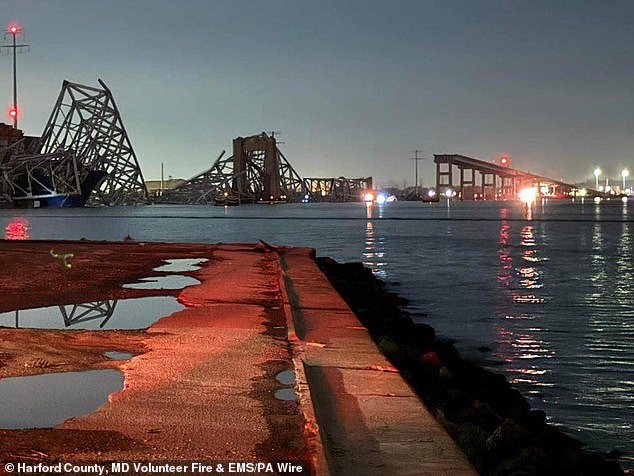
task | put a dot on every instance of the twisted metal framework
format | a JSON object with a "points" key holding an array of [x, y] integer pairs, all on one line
{"points": [[258, 171], [203, 188], [292, 184], [86, 120], [43, 176], [339, 189]]}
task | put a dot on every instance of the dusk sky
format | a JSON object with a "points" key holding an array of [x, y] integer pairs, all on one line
{"points": [[353, 86]]}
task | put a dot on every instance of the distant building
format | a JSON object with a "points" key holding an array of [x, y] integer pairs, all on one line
{"points": [[154, 186]]}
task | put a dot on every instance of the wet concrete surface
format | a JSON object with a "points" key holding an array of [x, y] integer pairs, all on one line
{"points": [[204, 381]]}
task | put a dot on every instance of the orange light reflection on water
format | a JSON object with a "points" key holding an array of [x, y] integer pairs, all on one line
{"points": [[519, 344]]}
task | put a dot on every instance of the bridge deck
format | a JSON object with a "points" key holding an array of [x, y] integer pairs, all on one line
{"points": [[505, 180]]}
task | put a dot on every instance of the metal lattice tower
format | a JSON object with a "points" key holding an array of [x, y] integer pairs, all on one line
{"points": [[86, 120]]}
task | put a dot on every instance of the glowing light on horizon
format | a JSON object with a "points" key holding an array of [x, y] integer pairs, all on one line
{"points": [[528, 195]]}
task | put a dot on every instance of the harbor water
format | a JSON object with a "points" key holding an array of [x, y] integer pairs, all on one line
{"points": [[544, 296]]}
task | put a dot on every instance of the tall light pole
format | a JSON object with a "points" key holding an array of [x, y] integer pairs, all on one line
{"points": [[597, 173], [416, 158], [14, 30], [624, 174]]}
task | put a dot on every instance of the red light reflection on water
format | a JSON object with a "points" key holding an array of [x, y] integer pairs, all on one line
{"points": [[17, 229], [504, 253], [519, 340]]}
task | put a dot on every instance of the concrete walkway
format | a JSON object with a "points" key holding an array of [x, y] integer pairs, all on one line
{"points": [[204, 389], [371, 422]]}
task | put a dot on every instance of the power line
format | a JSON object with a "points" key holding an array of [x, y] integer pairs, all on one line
{"points": [[416, 158]]}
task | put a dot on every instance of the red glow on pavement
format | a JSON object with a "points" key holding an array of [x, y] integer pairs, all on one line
{"points": [[186, 303]]}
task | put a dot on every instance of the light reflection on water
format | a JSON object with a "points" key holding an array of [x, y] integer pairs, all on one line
{"points": [[552, 296], [373, 253]]}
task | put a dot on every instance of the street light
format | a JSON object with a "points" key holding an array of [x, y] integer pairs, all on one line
{"points": [[624, 174], [597, 173]]}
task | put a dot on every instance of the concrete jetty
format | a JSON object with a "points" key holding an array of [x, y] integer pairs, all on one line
{"points": [[202, 386]]}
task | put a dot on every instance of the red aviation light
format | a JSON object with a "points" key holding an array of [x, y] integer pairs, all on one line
{"points": [[14, 29], [503, 160], [13, 112]]}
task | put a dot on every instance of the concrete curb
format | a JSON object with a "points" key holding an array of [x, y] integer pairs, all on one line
{"points": [[370, 421], [306, 406]]}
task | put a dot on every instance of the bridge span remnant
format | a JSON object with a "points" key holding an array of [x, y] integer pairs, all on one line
{"points": [[84, 155], [489, 181], [259, 172]]}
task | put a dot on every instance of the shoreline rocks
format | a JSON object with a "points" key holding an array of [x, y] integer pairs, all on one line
{"points": [[488, 418]]}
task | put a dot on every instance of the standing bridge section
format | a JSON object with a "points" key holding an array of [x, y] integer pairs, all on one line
{"points": [[258, 172], [475, 179]]}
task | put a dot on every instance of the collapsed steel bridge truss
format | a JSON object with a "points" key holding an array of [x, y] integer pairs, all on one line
{"points": [[203, 188], [84, 150], [43, 176], [86, 120], [259, 172], [339, 189]]}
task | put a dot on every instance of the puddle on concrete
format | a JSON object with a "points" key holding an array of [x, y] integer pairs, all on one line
{"points": [[287, 377], [181, 265], [112, 314], [42, 401], [173, 281], [286, 394], [116, 355]]}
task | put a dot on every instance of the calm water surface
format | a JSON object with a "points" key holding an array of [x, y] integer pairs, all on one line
{"points": [[552, 296]]}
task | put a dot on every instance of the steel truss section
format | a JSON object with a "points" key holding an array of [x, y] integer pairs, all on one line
{"points": [[259, 172], [351, 190], [338, 189], [42, 176], [204, 188], [291, 184], [86, 120], [320, 189]]}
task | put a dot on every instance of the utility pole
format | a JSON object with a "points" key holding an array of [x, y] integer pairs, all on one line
{"points": [[14, 30], [416, 158]]}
